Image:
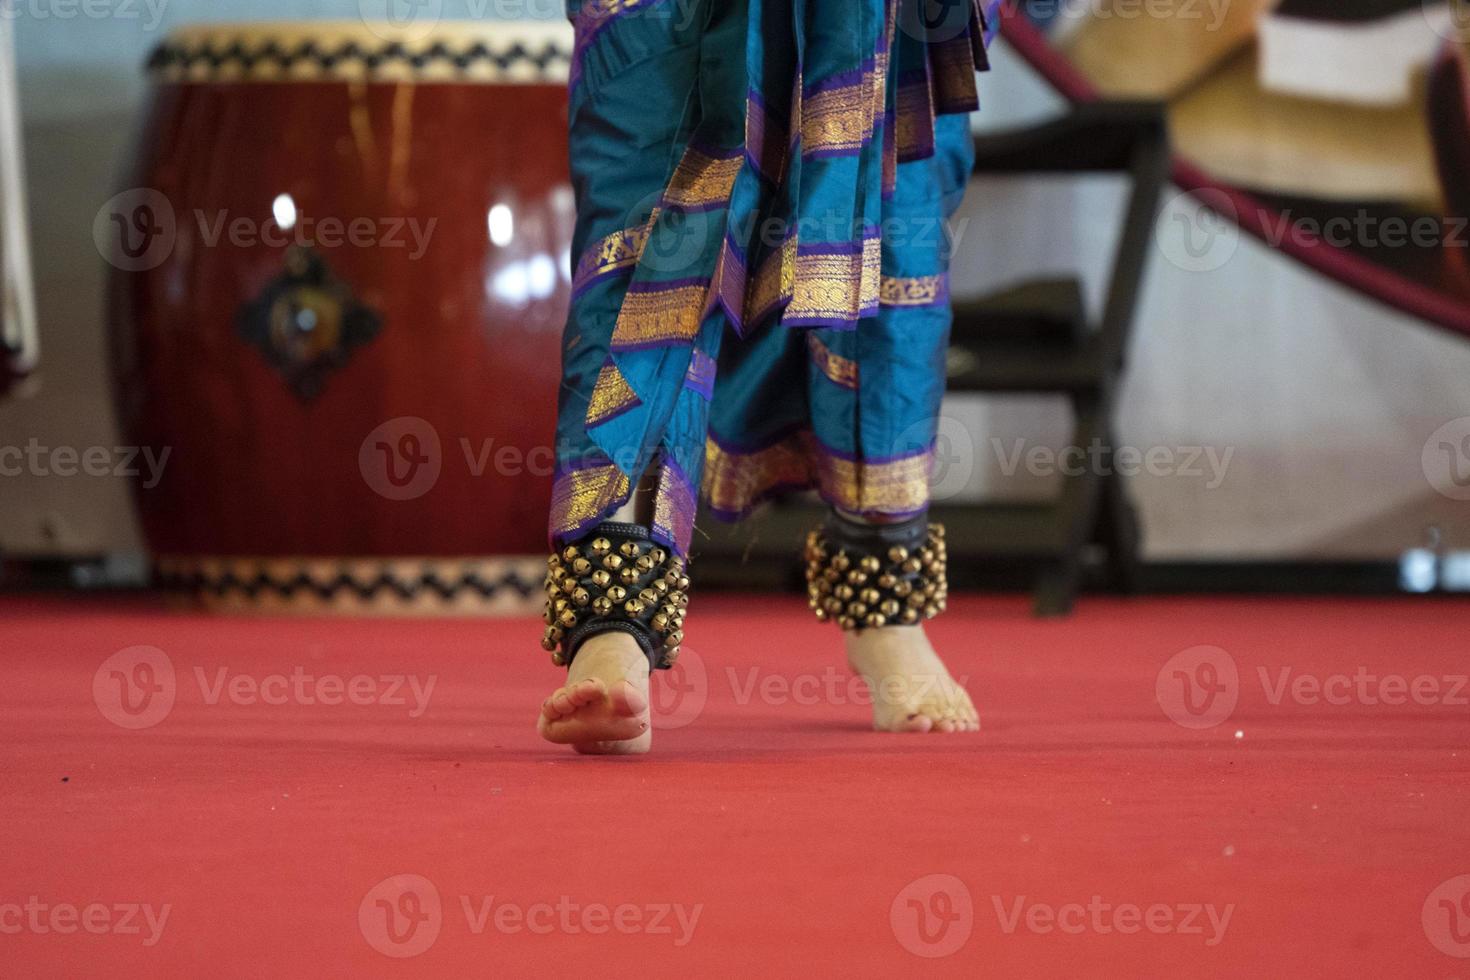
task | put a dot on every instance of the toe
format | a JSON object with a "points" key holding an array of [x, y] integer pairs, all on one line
{"points": [[628, 701], [586, 692], [549, 709], [562, 704], [916, 722]]}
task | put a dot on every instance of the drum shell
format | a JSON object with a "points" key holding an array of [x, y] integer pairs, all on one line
{"points": [[256, 466]]}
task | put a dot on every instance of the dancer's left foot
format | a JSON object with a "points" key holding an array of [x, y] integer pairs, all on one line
{"points": [[912, 689]]}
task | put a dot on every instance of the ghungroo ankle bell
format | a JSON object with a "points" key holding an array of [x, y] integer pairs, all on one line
{"points": [[867, 576], [616, 579]]}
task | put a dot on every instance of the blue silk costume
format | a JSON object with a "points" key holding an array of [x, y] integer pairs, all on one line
{"points": [[760, 298]]}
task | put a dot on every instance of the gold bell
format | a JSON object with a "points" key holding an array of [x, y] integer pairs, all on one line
{"points": [[601, 546]]}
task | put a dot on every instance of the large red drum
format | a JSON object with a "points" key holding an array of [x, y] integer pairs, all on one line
{"points": [[341, 272]]}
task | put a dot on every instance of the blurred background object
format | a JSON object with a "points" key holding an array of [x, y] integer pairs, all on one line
{"points": [[19, 346], [340, 265]]}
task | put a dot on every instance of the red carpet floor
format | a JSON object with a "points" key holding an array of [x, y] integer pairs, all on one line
{"points": [[274, 798]]}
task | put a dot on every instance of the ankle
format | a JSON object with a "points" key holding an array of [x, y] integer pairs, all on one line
{"points": [[611, 655]]}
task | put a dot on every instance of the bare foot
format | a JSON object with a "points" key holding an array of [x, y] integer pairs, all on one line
{"points": [[603, 709], [912, 690]]}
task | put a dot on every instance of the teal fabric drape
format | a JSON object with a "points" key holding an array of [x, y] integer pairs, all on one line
{"points": [[760, 298]]}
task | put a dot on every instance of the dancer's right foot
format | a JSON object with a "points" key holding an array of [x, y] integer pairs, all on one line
{"points": [[603, 709]]}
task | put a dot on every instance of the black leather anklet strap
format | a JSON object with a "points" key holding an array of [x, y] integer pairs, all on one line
{"points": [[867, 576], [616, 579]]}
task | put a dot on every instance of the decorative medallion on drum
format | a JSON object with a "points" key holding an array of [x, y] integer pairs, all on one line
{"points": [[307, 323]]}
